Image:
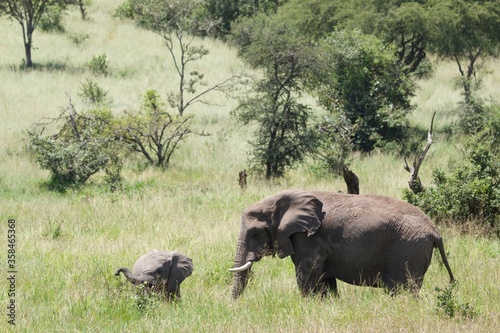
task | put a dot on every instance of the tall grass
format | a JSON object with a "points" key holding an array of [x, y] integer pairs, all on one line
{"points": [[68, 245]]}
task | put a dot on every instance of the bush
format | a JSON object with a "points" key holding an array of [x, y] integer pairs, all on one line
{"points": [[98, 65], [78, 38], [471, 191], [92, 94], [52, 19], [447, 303], [473, 115], [83, 146]]}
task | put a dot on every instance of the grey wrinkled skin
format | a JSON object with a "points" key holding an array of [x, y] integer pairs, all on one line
{"points": [[160, 271], [364, 240]]}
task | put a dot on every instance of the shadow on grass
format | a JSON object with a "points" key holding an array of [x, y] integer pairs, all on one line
{"points": [[50, 66]]}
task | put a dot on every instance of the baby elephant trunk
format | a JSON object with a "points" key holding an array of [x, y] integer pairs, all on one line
{"points": [[130, 276]]}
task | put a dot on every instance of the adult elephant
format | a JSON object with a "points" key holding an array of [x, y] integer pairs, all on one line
{"points": [[160, 271], [367, 240]]}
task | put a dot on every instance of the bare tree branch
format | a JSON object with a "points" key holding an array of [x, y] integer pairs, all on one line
{"points": [[72, 115], [415, 183]]}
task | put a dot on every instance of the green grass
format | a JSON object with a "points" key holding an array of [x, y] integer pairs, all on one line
{"points": [[68, 245]]}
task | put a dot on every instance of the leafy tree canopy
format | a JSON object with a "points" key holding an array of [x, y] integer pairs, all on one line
{"points": [[226, 12], [164, 16], [313, 18], [360, 79]]}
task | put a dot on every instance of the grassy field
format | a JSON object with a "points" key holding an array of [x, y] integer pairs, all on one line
{"points": [[68, 245]]}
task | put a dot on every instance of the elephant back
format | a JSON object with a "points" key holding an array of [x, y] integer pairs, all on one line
{"points": [[378, 210]]}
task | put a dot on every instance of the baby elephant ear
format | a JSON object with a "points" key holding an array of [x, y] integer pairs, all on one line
{"points": [[300, 211], [184, 265]]}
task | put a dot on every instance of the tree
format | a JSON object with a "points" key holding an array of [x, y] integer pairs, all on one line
{"points": [[152, 131], [407, 27], [466, 31], [28, 13], [359, 79], [176, 21], [81, 6], [227, 12], [282, 137], [404, 24], [313, 18]]}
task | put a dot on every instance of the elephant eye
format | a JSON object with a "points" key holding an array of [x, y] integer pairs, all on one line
{"points": [[253, 233]]}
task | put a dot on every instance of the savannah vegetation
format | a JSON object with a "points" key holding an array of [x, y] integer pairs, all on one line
{"points": [[101, 77]]}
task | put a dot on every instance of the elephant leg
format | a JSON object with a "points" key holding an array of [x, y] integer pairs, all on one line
{"points": [[173, 292], [309, 260], [173, 287], [393, 280], [173, 295], [309, 274], [331, 283], [308, 282], [403, 277]]}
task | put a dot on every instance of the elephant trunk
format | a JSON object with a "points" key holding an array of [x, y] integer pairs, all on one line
{"points": [[130, 276], [240, 277]]}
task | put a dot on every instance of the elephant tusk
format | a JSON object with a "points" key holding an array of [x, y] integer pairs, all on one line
{"points": [[242, 268]]}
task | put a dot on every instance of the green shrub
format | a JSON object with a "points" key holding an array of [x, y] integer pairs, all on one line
{"points": [[78, 38], [447, 303], [99, 65], [469, 192], [92, 94], [473, 115], [145, 299], [52, 19], [83, 146]]}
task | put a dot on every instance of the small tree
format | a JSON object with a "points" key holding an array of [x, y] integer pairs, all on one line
{"points": [[283, 136], [82, 6], [177, 23], [466, 31], [333, 147], [152, 131], [28, 13]]}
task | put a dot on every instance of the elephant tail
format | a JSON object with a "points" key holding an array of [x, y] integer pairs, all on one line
{"points": [[131, 277], [440, 246]]}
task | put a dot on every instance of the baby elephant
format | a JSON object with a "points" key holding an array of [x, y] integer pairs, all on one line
{"points": [[160, 271]]}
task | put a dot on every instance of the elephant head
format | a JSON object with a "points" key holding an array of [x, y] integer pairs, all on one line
{"points": [[160, 271], [266, 227]]}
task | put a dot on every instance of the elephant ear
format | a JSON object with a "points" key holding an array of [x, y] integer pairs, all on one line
{"points": [[182, 266], [296, 211]]}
